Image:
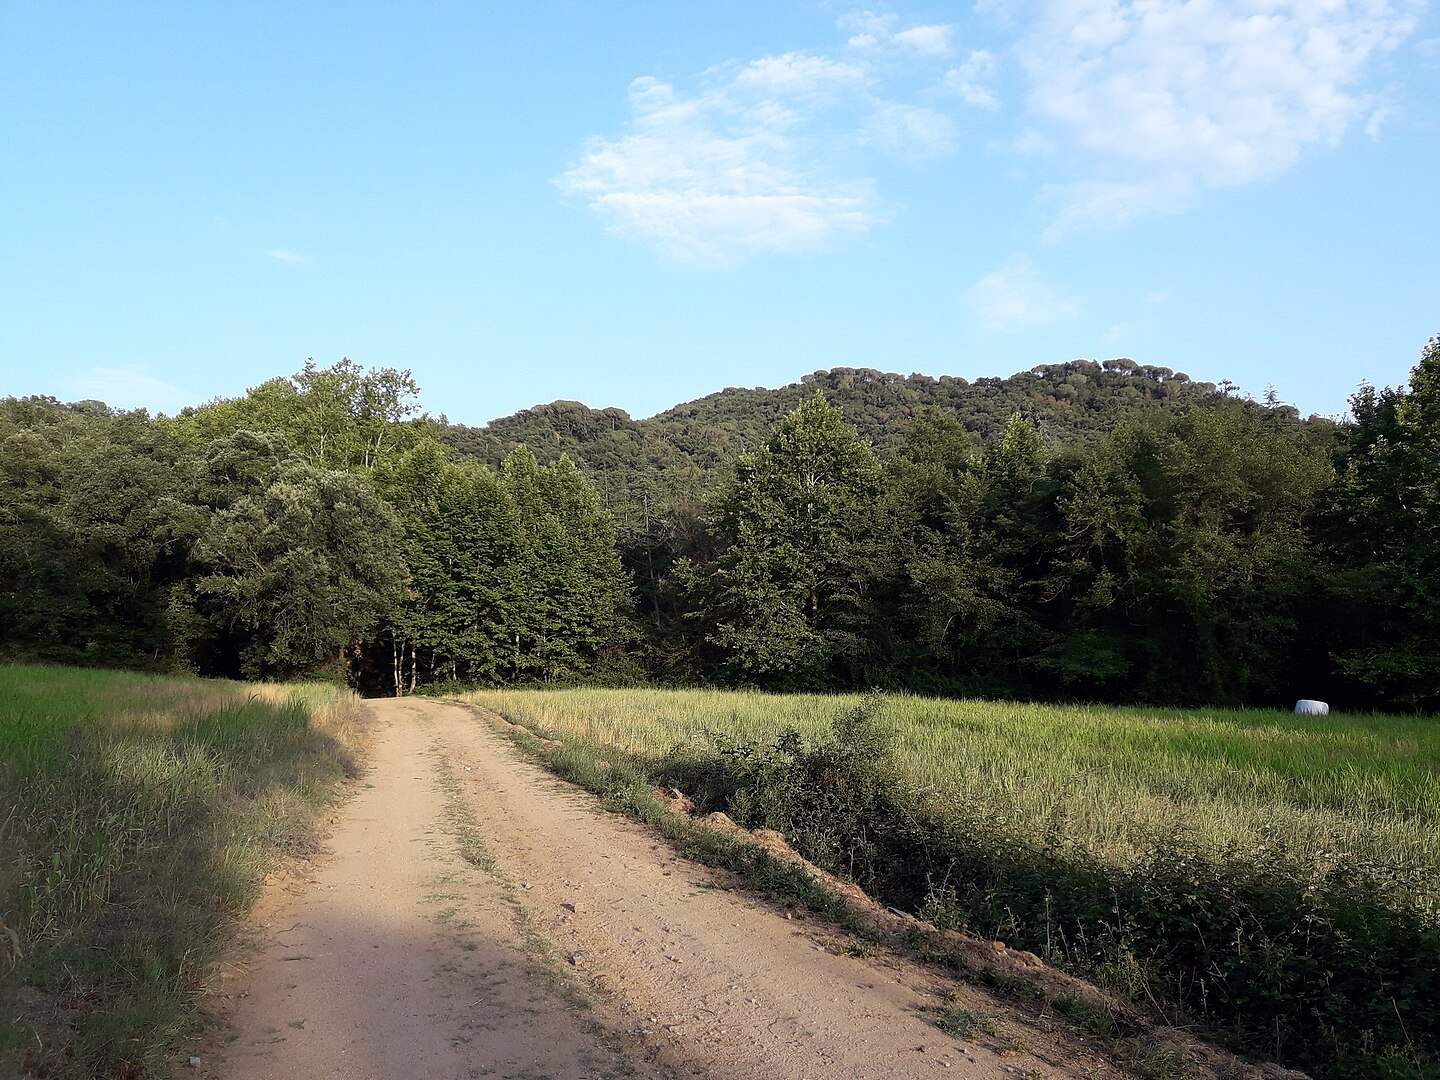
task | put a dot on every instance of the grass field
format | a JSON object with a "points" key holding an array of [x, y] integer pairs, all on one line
{"points": [[1274, 875], [1367, 785], [138, 815]]}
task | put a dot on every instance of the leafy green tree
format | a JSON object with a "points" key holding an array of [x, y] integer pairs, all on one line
{"points": [[462, 546], [290, 562], [337, 417], [512, 575], [787, 598], [1186, 552], [1388, 499], [968, 527], [87, 545], [572, 593]]}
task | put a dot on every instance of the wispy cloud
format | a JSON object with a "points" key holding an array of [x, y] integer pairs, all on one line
{"points": [[933, 39], [909, 131], [771, 155], [973, 80], [1016, 296], [869, 30], [285, 256], [1166, 98], [133, 387]]}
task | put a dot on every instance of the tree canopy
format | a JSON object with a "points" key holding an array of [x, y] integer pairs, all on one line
{"points": [[1108, 531]]}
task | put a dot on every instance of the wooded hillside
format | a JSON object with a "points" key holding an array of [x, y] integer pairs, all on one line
{"points": [[1100, 531]]}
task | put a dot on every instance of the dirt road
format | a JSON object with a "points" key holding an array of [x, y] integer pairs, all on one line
{"points": [[479, 918]]}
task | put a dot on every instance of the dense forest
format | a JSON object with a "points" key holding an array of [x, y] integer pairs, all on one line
{"points": [[1106, 532]]}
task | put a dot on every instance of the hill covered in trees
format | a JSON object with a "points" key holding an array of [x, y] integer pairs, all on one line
{"points": [[676, 455], [1103, 531]]}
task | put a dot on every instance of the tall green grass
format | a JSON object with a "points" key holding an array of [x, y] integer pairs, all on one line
{"points": [[1274, 876], [138, 816]]}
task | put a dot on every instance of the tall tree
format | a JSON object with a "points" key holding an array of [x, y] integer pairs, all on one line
{"points": [[339, 417], [513, 575], [572, 592], [461, 543], [87, 545], [1188, 552], [1389, 501], [969, 528], [291, 562], [787, 598]]}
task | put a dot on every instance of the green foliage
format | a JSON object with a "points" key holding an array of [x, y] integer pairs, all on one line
{"points": [[968, 529], [833, 798], [1108, 531], [340, 417], [291, 564], [1389, 503], [1185, 554], [87, 531], [786, 595], [280, 533], [512, 575]]}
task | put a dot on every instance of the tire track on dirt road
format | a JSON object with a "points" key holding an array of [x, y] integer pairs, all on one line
{"points": [[403, 959]]}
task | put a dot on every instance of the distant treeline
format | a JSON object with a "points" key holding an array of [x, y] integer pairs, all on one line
{"points": [[1106, 532]]}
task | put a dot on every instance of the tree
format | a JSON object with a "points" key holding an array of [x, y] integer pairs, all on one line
{"points": [[337, 417], [969, 527], [787, 596], [572, 591], [461, 544], [291, 562], [87, 545], [1185, 554], [1388, 499], [513, 575]]}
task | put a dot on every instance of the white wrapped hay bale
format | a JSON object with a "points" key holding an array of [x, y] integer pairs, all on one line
{"points": [[1307, 707]]}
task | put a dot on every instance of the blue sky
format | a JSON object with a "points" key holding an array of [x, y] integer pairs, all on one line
{"points": [[636, 204]]}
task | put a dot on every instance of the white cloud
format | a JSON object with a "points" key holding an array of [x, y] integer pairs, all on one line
{"points": [[872, 31], [707, 181], [772, 155], [293, 257], [1017, 296], [910, 130], [133, 387], [934, 40], [1115, 202], [1168, 97], [798, 73], [972, 80]]}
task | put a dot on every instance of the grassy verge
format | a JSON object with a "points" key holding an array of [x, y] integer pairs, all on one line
{"points": [[625, 787], [1273, 878], [138, 816]]}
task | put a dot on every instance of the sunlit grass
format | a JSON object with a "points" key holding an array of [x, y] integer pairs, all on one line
{"points": [[1111, 779], [138, 816]]}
